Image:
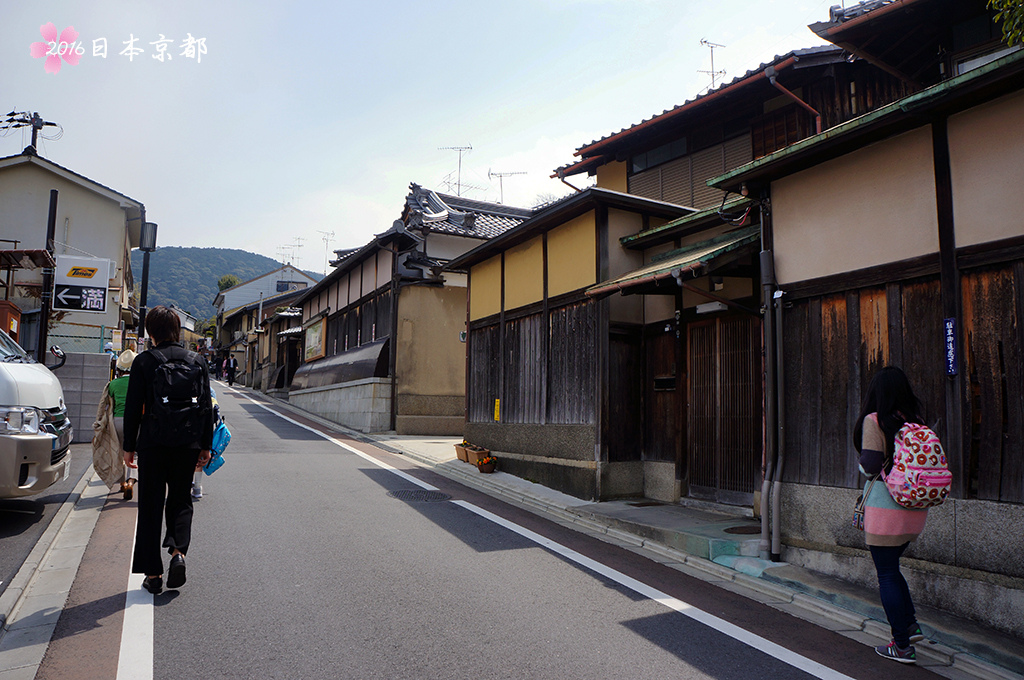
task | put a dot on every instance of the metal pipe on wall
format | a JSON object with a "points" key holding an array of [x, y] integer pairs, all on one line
{"points": [[46, 298], [767, 263], [780, 432]]}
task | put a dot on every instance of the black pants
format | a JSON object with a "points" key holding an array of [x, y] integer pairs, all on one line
{"points": [[231, 376], [164, 489]]}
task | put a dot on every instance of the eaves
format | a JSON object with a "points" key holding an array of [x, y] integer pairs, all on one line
{"points": [[956, 94]]}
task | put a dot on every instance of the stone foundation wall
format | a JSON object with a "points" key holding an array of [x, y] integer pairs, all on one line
{"points": [[363, 405], [967, 560]]}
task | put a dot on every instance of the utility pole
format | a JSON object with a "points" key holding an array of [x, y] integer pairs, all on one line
{"points": [[461, 150], [34, 120], [47, 295]]}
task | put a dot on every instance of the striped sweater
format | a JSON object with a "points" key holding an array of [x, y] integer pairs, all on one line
{"points": [[886, 523]]}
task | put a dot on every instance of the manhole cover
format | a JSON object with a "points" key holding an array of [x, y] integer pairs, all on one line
{"points": [[419, 495], [743, 530]]}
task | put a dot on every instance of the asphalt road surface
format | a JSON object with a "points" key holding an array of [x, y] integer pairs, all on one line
{"points": [[323, 557]]}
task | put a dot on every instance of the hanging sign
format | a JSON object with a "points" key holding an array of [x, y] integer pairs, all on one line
{"points": [[951, 348]]}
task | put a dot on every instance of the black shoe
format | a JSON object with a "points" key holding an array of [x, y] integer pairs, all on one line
{"points": [[176, 572], [153, 585]]}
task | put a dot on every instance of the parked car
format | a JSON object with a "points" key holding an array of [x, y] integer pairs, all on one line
{"points": [[35, 435]]}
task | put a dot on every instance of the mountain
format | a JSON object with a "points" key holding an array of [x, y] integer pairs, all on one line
{"points": [[187, 277]]}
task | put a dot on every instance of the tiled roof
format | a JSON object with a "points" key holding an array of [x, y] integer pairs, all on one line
{"points": [[458, 216], [838, 14], [797, 54]]}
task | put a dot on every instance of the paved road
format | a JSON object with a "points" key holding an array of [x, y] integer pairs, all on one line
{"points": [[317, 558], [23, 520]]}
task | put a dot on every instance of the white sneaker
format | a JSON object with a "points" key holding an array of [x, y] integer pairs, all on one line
{"points": [[197, 491]]}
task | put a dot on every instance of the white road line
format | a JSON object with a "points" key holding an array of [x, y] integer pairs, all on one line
{"points": [[135, 661], [759, 643]]}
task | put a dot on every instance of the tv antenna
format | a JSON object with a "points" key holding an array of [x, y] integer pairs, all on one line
{"points": [[327, 237], [25, 119], [461, 150], [291, 249], [713, 73], [501, 176]]}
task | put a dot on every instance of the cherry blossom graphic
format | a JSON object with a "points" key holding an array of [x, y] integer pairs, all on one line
{"points": [[55, 48]]}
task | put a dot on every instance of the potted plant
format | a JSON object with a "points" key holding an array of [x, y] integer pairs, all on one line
{"points": [[475, 453], [487, 464], [460, 451]]}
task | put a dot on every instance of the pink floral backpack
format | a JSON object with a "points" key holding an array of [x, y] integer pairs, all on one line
{"points": [[920, 477]]}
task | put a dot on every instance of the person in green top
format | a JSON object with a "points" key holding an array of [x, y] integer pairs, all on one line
{"points": [[109, 429]]}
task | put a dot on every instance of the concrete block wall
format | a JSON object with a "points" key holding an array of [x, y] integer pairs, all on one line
{"points": [[363, 405], [83, 378]]}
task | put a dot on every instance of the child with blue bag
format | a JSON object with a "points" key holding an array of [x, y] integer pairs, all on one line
{"points": [[221, 438]]}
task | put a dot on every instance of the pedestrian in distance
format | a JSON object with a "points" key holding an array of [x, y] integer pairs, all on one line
{"points": [[168, 430], [889, 527], [108, 430], [231, 365]]}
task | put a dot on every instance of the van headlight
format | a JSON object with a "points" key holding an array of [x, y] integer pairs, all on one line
{"points": [[21, 419]]}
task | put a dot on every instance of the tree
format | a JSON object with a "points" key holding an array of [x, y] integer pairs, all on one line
{"points": [[1010, 14], [227, 281]]}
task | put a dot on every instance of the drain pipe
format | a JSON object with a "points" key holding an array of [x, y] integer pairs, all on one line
{"points": [[780, 430], [767, 263], [771, 74]]}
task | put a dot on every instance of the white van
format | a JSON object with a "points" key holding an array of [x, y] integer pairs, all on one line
{"points": [[35, 435]]}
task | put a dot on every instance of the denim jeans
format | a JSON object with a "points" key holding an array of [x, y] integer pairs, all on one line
{"points": [[893, 590]]}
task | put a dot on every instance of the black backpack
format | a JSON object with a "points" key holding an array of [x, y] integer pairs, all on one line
{"points": [[178, 404]]}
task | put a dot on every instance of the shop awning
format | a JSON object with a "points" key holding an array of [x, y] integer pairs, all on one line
{"points": [[688, 262], [26, 259], [366, 361]]}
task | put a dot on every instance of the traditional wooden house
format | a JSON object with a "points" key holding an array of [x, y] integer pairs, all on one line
{"points": [[896, 240], [384, 331], [640, 373]]}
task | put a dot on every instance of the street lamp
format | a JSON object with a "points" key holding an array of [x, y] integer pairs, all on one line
{"points": [[147, 244]]}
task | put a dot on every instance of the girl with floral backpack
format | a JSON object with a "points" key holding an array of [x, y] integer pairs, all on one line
{"points": [[890, 403]]}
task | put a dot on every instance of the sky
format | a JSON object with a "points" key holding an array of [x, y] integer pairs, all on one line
{"points": [[292, 129]]}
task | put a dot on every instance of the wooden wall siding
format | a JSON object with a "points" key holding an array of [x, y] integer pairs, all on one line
{"points": [[684, 181], [724, 423], [833, 345], [360, 324], [572, 362], [663, 412], [994, 351], [740, 386], [524, 370], [702, 423], [779, 129], [625, 390], [483, 377]]}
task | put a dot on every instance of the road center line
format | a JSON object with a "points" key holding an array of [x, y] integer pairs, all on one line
{"points": [[759, 643]]}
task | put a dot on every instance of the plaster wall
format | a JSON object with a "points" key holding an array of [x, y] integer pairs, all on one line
{"points": [[485, 291], [624, 308], [363, 405], [448, 247], [431, 360], [613, 176], [870, 207], [524, 273], [658, 307], [986, 145], [572, 255], [86, 221]]}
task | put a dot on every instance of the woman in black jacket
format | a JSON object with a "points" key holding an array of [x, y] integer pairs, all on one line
{"points": [[168, 425]]}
